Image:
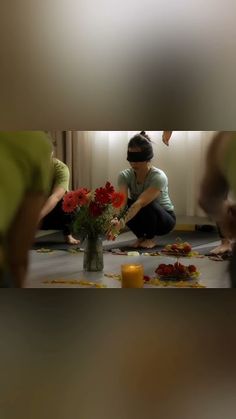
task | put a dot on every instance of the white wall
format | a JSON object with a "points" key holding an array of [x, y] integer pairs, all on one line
{"points": [[183, 161]]}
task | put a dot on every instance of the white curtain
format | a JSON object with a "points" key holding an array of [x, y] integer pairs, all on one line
{"points": [[97, 156]]}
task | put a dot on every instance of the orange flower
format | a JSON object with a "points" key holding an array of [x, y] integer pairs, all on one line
{"points": [[117, 199]]}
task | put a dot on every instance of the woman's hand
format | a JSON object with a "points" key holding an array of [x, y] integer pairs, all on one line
{"points": [[114, 229]]}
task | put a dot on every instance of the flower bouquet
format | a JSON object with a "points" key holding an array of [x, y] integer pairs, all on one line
{"points": [[93, 212]]}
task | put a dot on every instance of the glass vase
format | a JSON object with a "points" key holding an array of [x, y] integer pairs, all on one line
{"points": [[93, 254]]}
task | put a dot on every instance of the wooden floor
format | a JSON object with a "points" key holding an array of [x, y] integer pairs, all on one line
{"points": [[66, 267]]}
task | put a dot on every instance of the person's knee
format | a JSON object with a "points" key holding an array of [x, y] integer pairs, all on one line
{"points": [[148, 212], [165, 227]]}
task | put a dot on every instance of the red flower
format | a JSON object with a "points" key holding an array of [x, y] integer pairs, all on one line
{"points": [[70, 202], [81, 195], [95, 209], [117, 199], [102, 196], [168, 270], [70, 196], [110, 188], [192, 268]]}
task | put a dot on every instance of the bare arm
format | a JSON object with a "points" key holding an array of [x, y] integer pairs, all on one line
{"points": [[124, 190], [52, 201], [144, 199], [21, 236]]}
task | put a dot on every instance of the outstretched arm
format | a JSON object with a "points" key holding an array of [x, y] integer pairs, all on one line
{"points": [[144, 199], [21, 236], [52, 201], [61, 180]]}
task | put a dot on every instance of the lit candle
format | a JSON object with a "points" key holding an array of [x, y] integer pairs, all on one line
{"points": [[132, 276]]}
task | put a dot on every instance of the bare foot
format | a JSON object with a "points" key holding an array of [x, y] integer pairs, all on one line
{"points": [[148, 244], [137, 244], [71, 240], [225, 247]]}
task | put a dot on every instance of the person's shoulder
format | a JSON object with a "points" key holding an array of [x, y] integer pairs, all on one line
{"points": [[125, 177], [156, 172], [59, 164], [39, 138], [43, 142], [222, 150], [28, 140], [35, 146], [158, 176], [127, 173], [220, 146]]}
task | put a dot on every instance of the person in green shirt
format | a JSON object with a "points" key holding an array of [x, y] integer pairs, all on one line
{"points": [[25, 158], [52, 216], [151, 212], [219, 179]]}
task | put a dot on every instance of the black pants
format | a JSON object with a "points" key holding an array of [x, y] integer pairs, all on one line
{"points": [[152, 220], [232, 268], [57, 219], [220, 232]]}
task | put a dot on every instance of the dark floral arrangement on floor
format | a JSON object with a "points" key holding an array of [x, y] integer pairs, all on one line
{"points": [[93, 210], [177, 272]]}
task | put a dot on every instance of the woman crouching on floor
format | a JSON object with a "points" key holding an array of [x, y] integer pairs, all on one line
{"points": [[150, 210]]}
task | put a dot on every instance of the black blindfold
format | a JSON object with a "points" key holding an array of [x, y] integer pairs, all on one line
{"points": [[141, 156]]}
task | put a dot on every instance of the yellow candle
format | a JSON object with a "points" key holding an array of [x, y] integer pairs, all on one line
{"points": [[132, 276]]}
